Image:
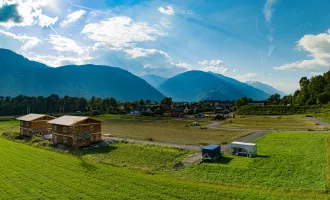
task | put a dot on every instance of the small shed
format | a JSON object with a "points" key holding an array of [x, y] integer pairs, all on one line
{"points": [[244, 149], [211, 152]]}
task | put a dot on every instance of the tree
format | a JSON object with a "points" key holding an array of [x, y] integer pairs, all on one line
{"points": [[323, 98], [275, 99], [316, 87], [141, 102], [243, 101]]}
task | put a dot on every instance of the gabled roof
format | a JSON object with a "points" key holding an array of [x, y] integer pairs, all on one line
{"points": [[31, 117], [68, 120]]}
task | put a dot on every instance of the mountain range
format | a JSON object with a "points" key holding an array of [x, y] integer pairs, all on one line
{"points": [[22, 76], [266, 88]]}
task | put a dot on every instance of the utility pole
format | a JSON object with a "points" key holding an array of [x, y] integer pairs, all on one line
{"points": [[28, 109], [62, 109]]}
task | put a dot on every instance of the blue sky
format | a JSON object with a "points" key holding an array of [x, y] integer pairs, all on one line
{"points": [[272, 41]]}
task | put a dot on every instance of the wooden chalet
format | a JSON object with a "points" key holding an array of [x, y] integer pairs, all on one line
{"points": [[34, 124], [75, 130]]}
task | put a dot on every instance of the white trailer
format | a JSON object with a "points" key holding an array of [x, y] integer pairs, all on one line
{"points": [[244, 149]]}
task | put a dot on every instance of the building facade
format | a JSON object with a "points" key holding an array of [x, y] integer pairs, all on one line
{"points": [[34, 124], [75, 131]]}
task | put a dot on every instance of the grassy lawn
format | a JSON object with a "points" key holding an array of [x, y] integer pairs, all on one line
{"points": [[323, 116], [146, 158], [287, 122], [286, 160], [173, 131], [10, 125], [32, 173]]}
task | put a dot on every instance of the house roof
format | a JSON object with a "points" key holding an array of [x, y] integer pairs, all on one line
{"points": [[211, 146], [30, 117], [68, 120]]}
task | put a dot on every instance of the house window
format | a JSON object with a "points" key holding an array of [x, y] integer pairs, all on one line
{"points": [[22, 123], [65, 129], [54, 127], [84, 141], [92, 138], [22, 132], [91, 128], [27, 124], [96, 137], [65, 140]]}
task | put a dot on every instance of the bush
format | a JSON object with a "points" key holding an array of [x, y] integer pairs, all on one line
{"points": [[203, 127], [95, 112], [219, 117], [12, 135]]}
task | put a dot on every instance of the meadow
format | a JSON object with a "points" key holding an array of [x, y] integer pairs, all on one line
{"points": [[284, 122], [33, 173], [285, 160], [174, 131]]}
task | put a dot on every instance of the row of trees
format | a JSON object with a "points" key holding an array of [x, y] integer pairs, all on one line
{"points": [[54, 104]]}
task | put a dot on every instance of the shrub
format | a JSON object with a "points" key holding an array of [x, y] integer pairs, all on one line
{"points": [[219, 117], [203, 127], [12, 135]]}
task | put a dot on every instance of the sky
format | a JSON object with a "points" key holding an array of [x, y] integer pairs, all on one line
{"points": [[272, 41]]}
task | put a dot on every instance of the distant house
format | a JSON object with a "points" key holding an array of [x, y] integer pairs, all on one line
{"points": [[75, 131], [177, 112], [259, 103], [34, 124], [141, 109]]}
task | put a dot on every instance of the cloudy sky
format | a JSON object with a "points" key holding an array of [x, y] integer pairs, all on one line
{"points": [[272, 41]]}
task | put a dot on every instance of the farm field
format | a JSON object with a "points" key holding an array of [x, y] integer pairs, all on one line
{"points": [[33, 173], [284, 122], [285, 160], [173, 131], [147, 158]]}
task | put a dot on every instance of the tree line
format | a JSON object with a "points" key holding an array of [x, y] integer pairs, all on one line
{"points": [[313, 91], [21, 105]]}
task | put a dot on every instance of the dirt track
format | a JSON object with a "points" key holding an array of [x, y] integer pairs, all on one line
{"points": [[323, 123]]}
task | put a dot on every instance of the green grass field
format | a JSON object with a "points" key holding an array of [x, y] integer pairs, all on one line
{"points": [[285, 160], [32, 173], [288, 122], [146, 158], [173, 131]]}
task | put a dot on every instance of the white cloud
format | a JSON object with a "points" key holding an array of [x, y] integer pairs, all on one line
{"points": [[30, 12], [28, 42], [165, 23], [247, 77], [46, 21], [215, 69], [234, 70], [140, 52], [63, 44], [73, 17], [205, 62], [168, 10], [216, 62], [268, 14], [318, 47], [121, 32], [184, 65], [56, 61], [211, 62], [268, 10]]}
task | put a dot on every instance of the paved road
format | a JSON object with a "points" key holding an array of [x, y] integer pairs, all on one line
{"points": [[318, 121]]}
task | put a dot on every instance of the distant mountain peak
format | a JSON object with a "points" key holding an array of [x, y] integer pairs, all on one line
{"points": [[265, 87]]}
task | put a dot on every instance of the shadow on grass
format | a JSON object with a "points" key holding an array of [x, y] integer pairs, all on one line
{"points": [[222, 160], [87, 165], [262, 156], [100, 150]]}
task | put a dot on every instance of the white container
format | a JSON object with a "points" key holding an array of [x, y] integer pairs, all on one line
{"points": [[241, 148]]}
